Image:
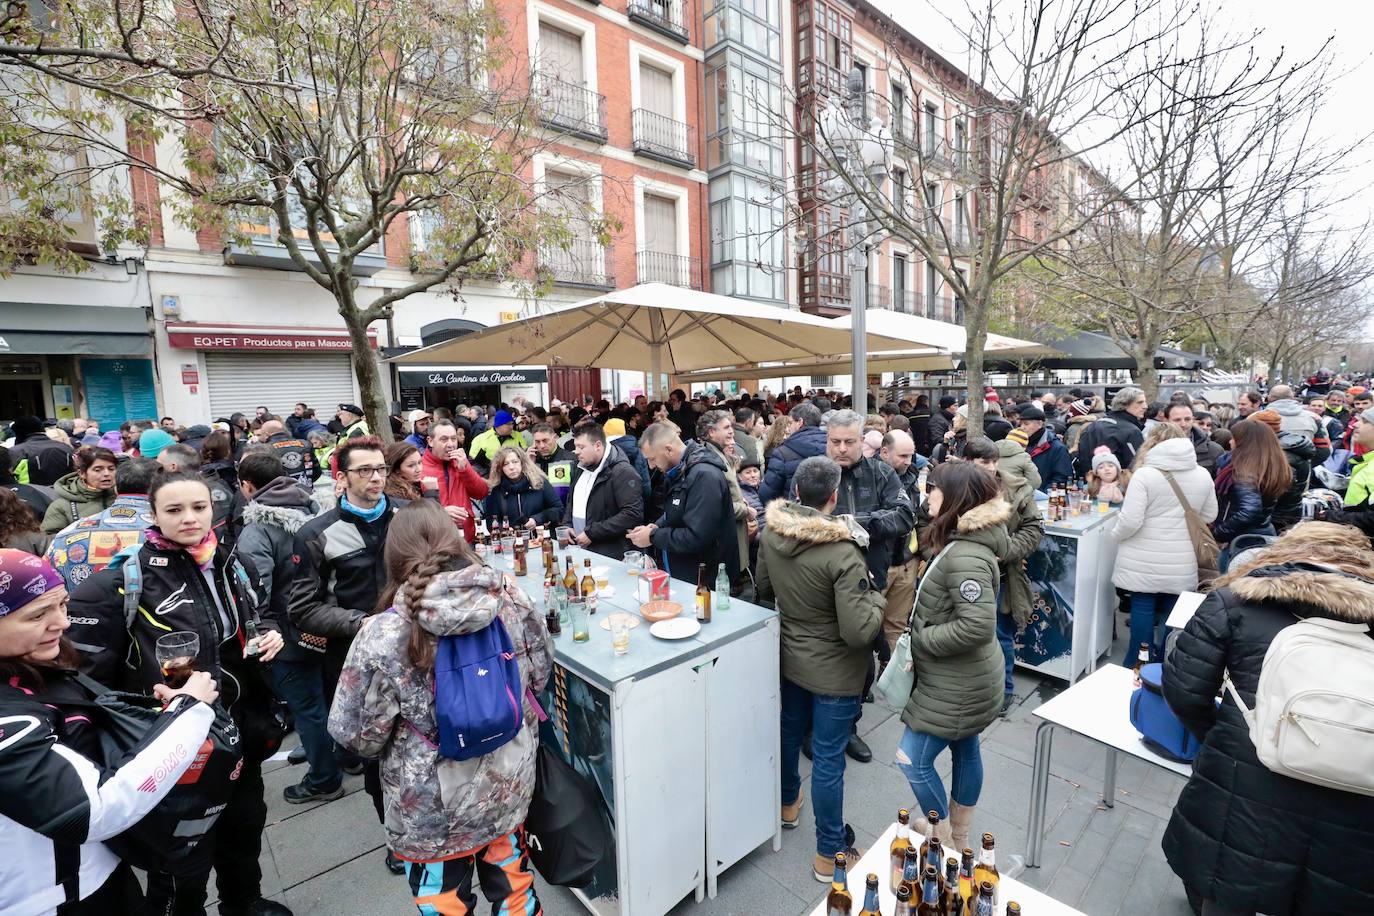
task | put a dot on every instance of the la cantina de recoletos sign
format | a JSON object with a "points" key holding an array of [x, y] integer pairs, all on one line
{"points": [[474, 377]]}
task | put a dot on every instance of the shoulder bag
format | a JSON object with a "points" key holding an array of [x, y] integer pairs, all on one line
{"points": [[899, 677], [1205, 546]]}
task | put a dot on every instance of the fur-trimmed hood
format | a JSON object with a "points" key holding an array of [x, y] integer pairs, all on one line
{"points": [[287, 519], [1343, 594], [993, 512], [803, 526]]}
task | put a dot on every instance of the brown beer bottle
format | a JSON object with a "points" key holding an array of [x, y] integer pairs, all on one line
{"points": [[951, 904], [985, 872], [589, 586], [903, 907], [570, 579], [1013, 909], [1142, 659], [930, 893], [871, 897], [932, 821], [521, 558], [838, 902], [900, 844], [703, 595], [911, 874]]}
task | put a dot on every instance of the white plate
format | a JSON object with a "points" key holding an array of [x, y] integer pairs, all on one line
{"points": [[676, 628]]}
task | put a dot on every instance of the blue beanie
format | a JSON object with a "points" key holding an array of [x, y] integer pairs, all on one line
{"points": [[502, 418], [151, 442]]}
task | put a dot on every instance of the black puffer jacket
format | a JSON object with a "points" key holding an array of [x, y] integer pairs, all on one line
{"points": [[40, 460], [1241, 834], [939, 424], [698, 522], [1241, 508], [1299, 452], [1119, 431], [518, 501], [806, 442]]}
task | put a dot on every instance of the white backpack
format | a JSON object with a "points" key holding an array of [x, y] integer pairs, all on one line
{"points": [[1314, 710]]}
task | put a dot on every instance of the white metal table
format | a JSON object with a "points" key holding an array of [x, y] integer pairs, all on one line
{"points": [[876, 861], [1098, 708]]}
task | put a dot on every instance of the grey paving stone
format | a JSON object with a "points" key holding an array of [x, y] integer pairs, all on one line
{"points": [[358, 885], [320, 839], [748, 889]]}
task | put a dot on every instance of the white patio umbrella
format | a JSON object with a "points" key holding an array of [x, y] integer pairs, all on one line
{"points": [[941, 335], [653, 327]]}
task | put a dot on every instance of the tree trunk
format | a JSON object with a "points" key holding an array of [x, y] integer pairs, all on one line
{"points": [[1146, 376], [369, 375], [976, 327]]}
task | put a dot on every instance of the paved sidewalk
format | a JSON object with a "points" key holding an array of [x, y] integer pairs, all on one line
{"points": [[327, 858]]}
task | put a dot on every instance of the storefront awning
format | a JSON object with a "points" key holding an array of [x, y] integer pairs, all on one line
{"points": [[33, 328]]}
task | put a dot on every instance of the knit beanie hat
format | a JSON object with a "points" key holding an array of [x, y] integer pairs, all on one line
{"points": [[151, 442], [1103, 454], [613, 428], [1018, 436], [1081, 408], [1269, 418]]}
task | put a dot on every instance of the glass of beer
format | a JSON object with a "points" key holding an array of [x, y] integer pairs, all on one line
{"points": [[176, 656], [565, 535], [620, 633], [634, 562]]}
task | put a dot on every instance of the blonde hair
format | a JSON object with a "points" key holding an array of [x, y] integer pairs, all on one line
{"points": [[777, 433], [527, 467], [1325, 543], [1160, 432]]}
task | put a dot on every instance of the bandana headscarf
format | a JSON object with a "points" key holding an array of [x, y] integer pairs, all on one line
{"points": [[203, 553], [24, 577]]}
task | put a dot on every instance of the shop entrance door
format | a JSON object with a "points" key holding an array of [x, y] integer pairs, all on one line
{"points": [[21, 397]]}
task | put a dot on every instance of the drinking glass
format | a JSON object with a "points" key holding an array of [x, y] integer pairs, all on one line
{"points": [[634, 562], [602, 576], [581, 626], [1075, 502], [176, 656], [565, 535], [620, 633], [508, 551]]}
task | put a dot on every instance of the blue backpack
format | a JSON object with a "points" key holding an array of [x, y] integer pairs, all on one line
{"points": [[477, 701], [1161, 730]]}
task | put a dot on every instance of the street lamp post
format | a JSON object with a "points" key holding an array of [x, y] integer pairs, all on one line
{"points": [[864, 149]]}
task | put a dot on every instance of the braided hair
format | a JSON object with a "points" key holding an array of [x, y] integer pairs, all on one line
{"points": [[421, 542]]}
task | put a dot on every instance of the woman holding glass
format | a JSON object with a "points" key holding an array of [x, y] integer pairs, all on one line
{"points": [[191, 591]]}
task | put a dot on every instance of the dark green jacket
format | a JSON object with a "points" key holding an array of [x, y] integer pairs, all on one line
{"points": [[1026, 527], [812, 566], [954, 646]]}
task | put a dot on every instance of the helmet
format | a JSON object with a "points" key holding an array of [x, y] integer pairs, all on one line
{"points": [[1317, 501]]}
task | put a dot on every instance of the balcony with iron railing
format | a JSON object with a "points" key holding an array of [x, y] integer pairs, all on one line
{"points": [[667, 17], [570, 108], [583, 262], [660, 137], [673, 269]]}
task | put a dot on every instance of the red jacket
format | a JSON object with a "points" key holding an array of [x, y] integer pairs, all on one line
{"points": [[456, 488]]}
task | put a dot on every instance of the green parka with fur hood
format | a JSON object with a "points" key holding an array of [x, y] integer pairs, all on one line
{"points": [[1025, 528], [812, 566], [959, 666]]}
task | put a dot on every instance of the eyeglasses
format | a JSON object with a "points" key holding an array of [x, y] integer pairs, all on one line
{"points": [[380, 471]]}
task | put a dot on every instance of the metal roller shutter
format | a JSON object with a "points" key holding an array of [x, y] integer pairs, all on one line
{"points": [[242, 381]]}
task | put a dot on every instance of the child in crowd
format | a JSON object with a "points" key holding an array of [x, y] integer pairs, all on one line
{"points": [[1107, 480]]}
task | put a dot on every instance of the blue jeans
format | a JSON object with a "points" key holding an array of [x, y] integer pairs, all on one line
{"points": [[916, 756], [1149, 610], [829, 720], [1006, 636], [301, 685]]}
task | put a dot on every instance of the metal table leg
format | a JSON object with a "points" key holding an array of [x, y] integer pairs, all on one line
{"points": [[1040, 785], [1109, 780]]}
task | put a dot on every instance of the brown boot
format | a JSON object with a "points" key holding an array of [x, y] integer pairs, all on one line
{"points": [[960, 821], [824, 870], [791, 814]]}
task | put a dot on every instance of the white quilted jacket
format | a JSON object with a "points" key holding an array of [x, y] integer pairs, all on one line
{"points": [[1155, 553]]}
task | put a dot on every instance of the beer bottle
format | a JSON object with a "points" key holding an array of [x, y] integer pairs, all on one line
{"points": [[1142, 659], [903, 907], [703, 595], [932, 821], [986, 905], [589, 586], [838, 902], [951, 904], [546, 545], [930, 893], [570, 579], [966, 886], [900, 844], [935, 858], [871, 897], [521, 558], [911, 873], [1013, 909], [985, 872]]}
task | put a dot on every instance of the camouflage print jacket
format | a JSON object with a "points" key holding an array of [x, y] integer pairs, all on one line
{"points": [[436, 808]]}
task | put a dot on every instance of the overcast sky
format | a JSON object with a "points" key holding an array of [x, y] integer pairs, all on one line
{"points": [[1297, 28]]}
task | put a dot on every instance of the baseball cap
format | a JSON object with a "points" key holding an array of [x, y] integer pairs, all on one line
{"points": [[418, 415]]}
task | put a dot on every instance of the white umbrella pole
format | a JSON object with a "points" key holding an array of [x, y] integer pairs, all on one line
{"points": [[858, 298], [655, 355]]}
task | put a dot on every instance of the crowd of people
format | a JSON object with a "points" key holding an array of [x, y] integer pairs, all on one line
{"points": [[318, 568]]}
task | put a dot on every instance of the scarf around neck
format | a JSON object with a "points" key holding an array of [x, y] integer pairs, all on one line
{"points": [[367, 515], [202, 553]]}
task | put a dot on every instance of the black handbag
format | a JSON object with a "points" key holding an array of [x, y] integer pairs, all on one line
{"points": [[168, 839], [566, 827]]}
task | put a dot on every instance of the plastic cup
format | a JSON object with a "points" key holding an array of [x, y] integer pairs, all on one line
{"points": [[581, 620], [634, 562], [508, 551], [620, 633], [565, 535], [176, 656]]}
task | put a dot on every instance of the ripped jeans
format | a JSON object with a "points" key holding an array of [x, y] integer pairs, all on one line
{"points": [[916, 757]]}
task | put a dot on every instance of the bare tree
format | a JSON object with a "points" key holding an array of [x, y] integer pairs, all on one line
{"points": [[328, 128], [1030, 114], [1220, 145]]}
